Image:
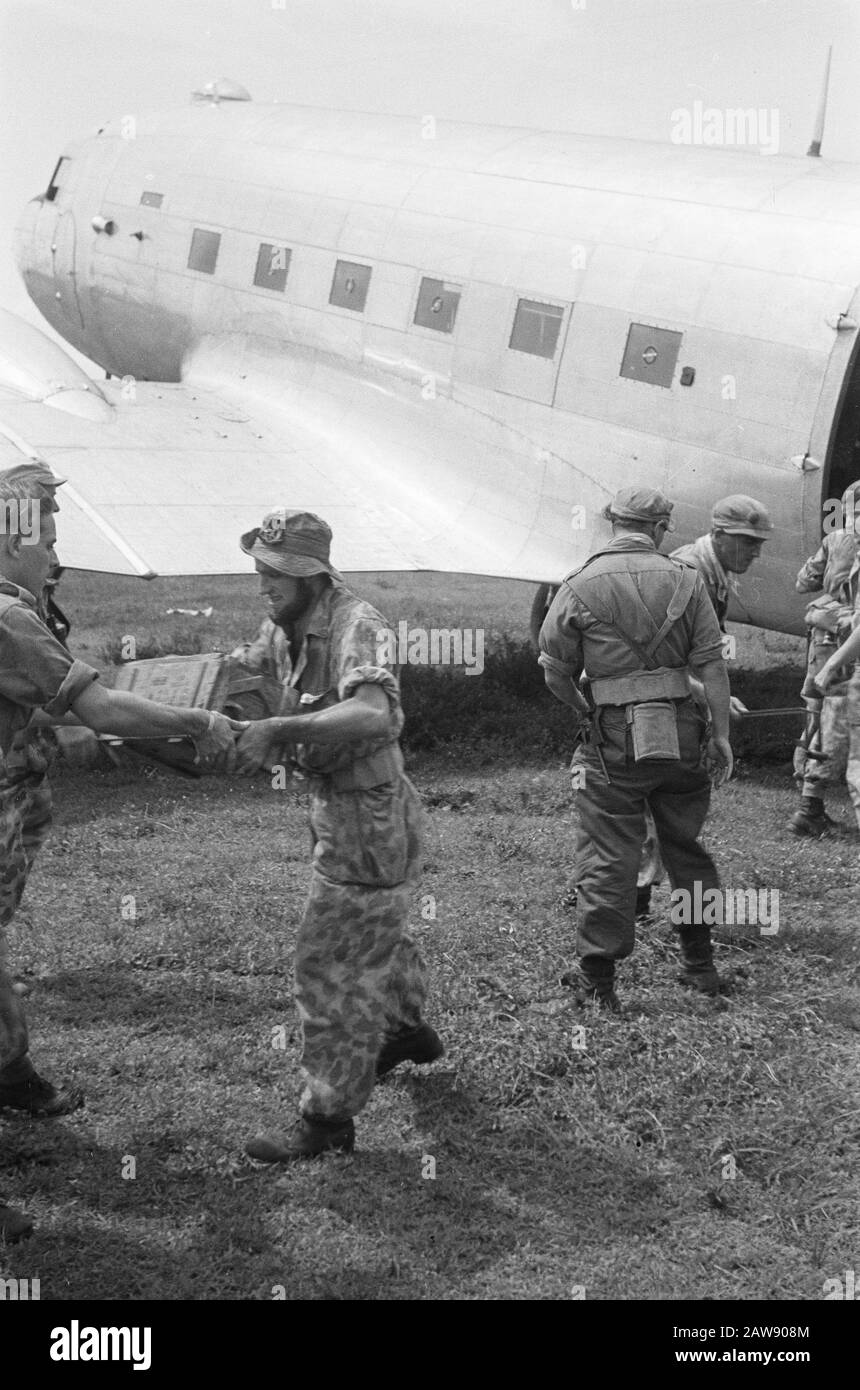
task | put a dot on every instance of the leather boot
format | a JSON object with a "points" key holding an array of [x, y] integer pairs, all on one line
{"points": [[14, 1225], [811, 818], [308, 1138], [593, 982], [421, 1045], [699, 971]]}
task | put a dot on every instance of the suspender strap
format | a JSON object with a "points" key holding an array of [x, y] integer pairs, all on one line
{"points": [[676, 608]]}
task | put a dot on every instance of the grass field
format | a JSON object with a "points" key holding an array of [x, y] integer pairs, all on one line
{"points": [[689, 1149]]}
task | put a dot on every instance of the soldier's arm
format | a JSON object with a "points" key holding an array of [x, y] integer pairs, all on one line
{"points": [[132, 716], [811, 575], [560, 654], [848, 652], [366, 714], [715, 679]]}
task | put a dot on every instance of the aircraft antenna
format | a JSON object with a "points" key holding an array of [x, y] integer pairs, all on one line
{"points": [[818, 132]]}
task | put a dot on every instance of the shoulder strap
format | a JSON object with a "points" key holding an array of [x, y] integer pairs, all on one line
{"points": [[676, 608]]}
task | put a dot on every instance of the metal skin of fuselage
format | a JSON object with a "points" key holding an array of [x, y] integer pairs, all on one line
{"points": [[427, 449]]}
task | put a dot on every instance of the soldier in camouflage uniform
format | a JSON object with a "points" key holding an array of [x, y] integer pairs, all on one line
{"points": [[359, 979], [832, 573], [40, 681]]}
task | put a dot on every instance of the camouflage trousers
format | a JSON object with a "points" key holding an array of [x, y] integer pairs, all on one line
{"points": [[852, 771], [25, 819], [359, 976], [831, 741], [838, 738]]}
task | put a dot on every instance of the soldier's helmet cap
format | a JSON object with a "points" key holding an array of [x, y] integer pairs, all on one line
{"points": [[21, 480], [640, 504], [740, 515], [292, 542]]}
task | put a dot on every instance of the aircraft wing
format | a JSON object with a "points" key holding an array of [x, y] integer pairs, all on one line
{"points": [[163, 478]]}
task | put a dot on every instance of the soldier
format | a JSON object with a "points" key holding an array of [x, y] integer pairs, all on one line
{"points": [[833, 570], [39, 682], [635, 620], [739, 528], [359, 979], [832, 674]]}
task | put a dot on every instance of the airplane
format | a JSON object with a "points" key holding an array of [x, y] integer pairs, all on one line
{"points": [[454, 342]]}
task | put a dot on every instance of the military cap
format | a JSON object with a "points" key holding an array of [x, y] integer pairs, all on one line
{"points": [[639, 504], [18, 481], [295, 543], [739, 515]]}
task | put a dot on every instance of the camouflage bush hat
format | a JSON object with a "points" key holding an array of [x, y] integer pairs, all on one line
{"points": [[640, 504], [295, 543], [739, 515]]}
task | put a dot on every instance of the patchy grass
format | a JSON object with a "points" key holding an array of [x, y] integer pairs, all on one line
{"points": [[561, 1157], [568, 1149]]}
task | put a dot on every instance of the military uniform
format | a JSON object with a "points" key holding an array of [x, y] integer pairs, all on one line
{"points": [[634, 619], [701, 555], [358, 973], [36, 672], [359, 977], [833, 570]]}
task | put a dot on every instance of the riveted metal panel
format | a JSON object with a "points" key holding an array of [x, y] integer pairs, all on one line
{"points": [[651, 354]]}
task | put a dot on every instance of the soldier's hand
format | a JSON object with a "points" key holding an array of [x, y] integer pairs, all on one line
{"points": [[737, 707], [823, 677], [254, 747], [217, 746], [719, 761]]}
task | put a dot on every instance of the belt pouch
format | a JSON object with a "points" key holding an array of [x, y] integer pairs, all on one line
{"points": [[654, 727]]}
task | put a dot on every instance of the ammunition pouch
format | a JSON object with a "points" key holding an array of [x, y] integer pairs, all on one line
{"points": [[654, 731]]}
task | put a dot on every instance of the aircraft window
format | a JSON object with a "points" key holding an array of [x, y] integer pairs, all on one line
{"points": [[151, 200], [651, 354], [437, 305], [273, 262], [56, 180], [536, 327], [349, 286], [204, 250]]}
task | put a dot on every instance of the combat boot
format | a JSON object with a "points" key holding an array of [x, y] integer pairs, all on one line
{"points": [[593, 983], [14, 1225], [421, 1045], [811, 818], [699, 971], [38, 1097], [308, 1138]]}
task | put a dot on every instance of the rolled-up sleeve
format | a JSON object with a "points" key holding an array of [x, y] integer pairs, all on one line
{"points": [[36, 671], [811, 575], [560, 639], [370, 675]]}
